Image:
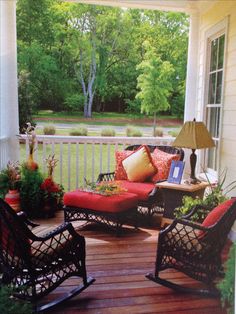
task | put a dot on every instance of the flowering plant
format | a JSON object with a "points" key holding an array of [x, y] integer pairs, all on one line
{"points": [[104, 188], [51, 162], [50, 190], [10, 177]]}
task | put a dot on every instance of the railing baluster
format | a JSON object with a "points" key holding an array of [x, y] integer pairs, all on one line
{"points": [[100, 157], [69, 160], [53, 148], [108, 157], [36, 150], [44, 156], [77, 166], [85, 162], [61, 161], [92, 162]]}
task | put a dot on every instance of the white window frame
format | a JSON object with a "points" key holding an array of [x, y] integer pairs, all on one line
{"points": [[214, 32]]}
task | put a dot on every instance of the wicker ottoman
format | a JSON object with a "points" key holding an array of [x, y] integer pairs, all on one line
{"points": [[114, 210]]}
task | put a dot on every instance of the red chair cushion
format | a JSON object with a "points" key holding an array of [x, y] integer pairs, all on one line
{"points": [[141, 189], [120, 173], [112, 204], [217, 213], [162, 161]]}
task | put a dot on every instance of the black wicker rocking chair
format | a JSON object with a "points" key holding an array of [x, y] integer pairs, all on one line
{"points": [[194, 250], [155, 202], [36, 264]]}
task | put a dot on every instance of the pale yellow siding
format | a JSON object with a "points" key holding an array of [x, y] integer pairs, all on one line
{"points": [[217, 13]]}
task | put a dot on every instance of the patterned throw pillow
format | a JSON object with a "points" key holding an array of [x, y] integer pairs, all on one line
{"points": [[120, 173], [139, 165], [162, 161]]}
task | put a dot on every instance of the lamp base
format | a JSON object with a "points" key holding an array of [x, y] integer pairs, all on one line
{"points": [[192, 181]]}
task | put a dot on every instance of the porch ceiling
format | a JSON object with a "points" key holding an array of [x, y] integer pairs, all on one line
{"points": [[187, 6]]}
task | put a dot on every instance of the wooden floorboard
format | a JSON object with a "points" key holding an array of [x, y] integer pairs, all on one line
{"points": [[119, 265]]}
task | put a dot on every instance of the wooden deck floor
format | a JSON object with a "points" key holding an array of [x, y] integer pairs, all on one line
{"points": [[119, 265]]}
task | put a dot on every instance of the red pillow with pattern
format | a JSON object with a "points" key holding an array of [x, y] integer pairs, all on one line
{"points": [[120, 173], [162, 161]]}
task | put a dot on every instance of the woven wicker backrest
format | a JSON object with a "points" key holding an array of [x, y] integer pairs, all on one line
{"points": [[14, 243], [164, 148]]}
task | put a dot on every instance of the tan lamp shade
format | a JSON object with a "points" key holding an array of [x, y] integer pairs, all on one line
{"points": [[194, 135]]}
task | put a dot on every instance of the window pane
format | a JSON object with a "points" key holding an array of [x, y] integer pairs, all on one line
{"points": [[212, 88], [213, 121], [221, 52], [219, 87], [214, 45], [212, 157]]}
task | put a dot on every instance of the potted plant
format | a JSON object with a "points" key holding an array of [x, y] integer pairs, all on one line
{"points": [[217, 194], [30, 196], [10, 184], [51, 192]]}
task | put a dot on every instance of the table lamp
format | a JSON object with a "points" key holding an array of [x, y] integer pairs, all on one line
{"points": [[193, 135]]}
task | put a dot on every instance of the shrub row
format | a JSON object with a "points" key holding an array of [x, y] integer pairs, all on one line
{"points": [[130, 131]]}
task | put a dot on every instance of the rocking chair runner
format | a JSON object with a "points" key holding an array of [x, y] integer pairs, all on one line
{"points": [[195, 249], [37, 264]]}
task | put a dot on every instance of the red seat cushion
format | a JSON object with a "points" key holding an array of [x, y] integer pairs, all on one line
{"points": [[113, 204], [217, 213], [141, 189]]}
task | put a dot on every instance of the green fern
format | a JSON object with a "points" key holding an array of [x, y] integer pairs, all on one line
{"points": [[226, 286], [11, 305]]}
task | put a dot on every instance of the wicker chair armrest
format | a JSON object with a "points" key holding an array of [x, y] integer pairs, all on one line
{"points": [[60, 229], [24, 218], [187, 223], [108, 176]]}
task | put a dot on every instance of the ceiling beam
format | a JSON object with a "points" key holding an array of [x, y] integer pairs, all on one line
{"points": [[187, 6]]}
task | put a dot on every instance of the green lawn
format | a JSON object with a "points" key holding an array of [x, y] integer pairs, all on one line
{"points": [[106, 118]]}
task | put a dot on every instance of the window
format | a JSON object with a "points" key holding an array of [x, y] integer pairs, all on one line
{"points": [[215, 76]]}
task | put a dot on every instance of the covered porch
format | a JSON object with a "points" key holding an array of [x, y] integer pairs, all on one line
{"points": [[120, 264], [206, 18]]}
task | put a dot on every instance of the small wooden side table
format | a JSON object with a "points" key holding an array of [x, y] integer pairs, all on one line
{"points": [[173, 195]]}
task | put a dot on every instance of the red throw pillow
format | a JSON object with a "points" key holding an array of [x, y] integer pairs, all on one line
{"points": [[162, 161], [120, 173], [217, 213]]}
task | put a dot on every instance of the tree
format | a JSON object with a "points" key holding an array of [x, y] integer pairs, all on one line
{"points": [[74, 53], [154, 83]]}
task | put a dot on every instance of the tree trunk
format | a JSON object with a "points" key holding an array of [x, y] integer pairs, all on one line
{"points": [[154, 123]]}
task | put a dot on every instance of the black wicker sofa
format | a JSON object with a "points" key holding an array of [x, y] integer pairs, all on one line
{"points": [[152, 203]]}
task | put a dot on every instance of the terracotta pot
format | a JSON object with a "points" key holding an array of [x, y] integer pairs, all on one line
{"points": [[13, 199]]}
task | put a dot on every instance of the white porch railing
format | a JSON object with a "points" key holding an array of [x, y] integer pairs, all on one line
{"points": [[82, 157], [4, 149]]}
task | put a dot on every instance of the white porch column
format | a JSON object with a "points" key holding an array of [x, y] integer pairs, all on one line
{"points": [[9, 116], [192, 69]]}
